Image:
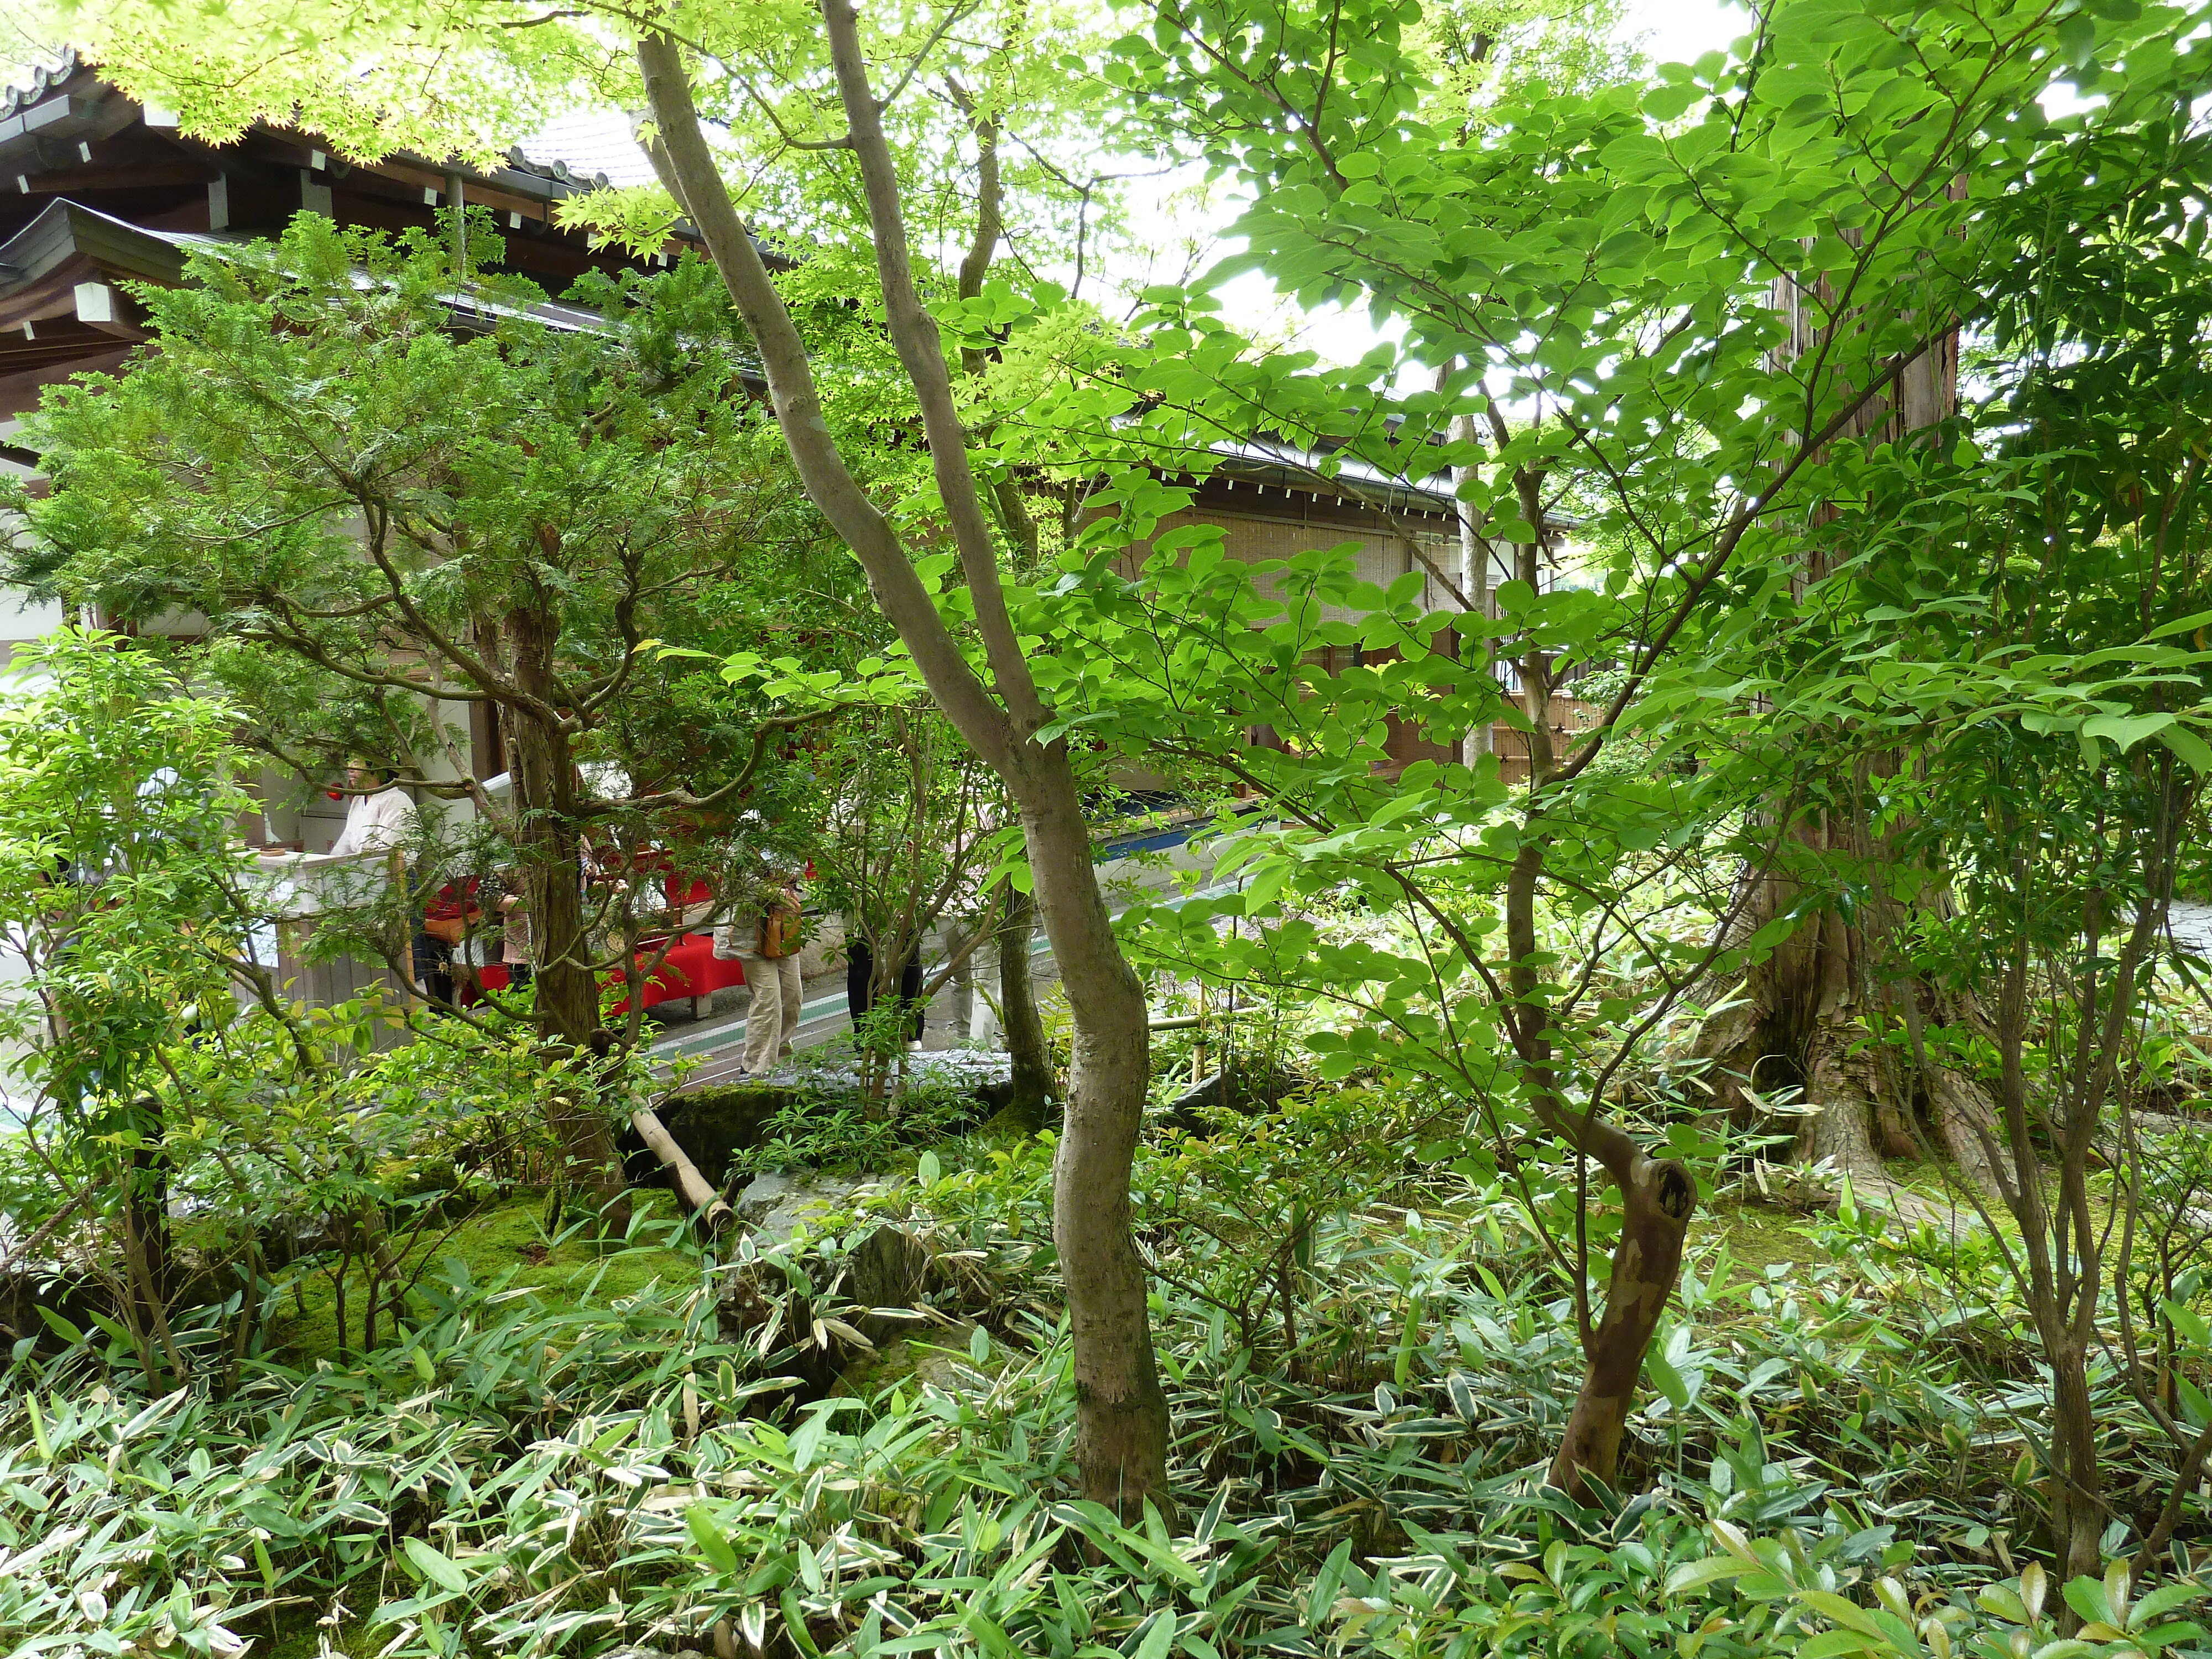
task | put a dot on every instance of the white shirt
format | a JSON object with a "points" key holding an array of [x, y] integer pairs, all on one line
{"points": [[374, 823]]}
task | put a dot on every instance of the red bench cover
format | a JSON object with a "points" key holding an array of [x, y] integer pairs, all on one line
{"points": [[689, 969]]}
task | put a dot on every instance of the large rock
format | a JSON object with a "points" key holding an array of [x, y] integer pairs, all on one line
{"points": [[892, 1269], [896, 1300], [774, 1204], [712, 1125]]}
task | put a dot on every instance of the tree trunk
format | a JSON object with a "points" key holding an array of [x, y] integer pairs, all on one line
{"points": [[1804, 1023], [1842, 1082], [1475, 587], [2078, 1510], [546, 836], [1659, 1197], [1018, 1015], [1121, 1432], [1805, 998], [1801, 1024], [1121, 1415], [146, 1208], [1024, 1030], [1965, 1126]]}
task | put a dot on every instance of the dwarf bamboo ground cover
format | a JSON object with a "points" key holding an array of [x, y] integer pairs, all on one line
{"points": [[1833, 1459]]}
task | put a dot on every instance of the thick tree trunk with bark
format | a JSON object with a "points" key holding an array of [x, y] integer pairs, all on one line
{"points": [[1808, 1011], [1842, 1080], [546, 837], [1017, 1008], [1808, 1002]]}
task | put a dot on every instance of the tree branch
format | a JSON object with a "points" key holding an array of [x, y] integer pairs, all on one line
{"points": [[687, 168], [921, 349]]}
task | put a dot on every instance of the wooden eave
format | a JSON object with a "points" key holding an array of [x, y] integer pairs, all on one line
{"points": [[42, 264], [72, 133]]}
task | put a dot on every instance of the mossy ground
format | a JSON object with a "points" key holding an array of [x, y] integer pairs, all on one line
{"points": [[299, 1638], [1754, 1236], [562, 1265]]}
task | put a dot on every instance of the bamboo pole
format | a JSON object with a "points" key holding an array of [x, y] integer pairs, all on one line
{"points": [[710, 1212]]}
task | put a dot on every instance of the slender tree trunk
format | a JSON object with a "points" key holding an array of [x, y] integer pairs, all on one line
{"points": [[2062, 1233], [1018, 1006], [1474, 586], [1121, 1415], [568, 993], [149, 1258], [1659, 1197], [1023, 1029], [2076, 1487], [1014, 516]]}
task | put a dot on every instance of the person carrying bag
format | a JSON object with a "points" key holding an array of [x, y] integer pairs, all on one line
{"points": [[766, 945], [782, 930]]}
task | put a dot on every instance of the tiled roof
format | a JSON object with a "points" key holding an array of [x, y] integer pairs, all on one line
{"points": [[594, 147], [13, 97], [588, 149]]}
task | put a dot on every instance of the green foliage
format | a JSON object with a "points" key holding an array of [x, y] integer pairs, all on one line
{"points": [[196, 1145], [1584, 284], [825, 1131], [192, 1518], [501, 1474], [317, 463], [119, 889], [491, 1233]]}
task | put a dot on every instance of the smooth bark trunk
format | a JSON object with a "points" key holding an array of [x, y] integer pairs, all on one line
{"points": [[1018, 1011], [1659, 1197], [2059, 1267], [1121, 1431], [1121, 1415]]}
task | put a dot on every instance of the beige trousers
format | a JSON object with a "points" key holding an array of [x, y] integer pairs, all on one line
{"points": [[774, 1015]]}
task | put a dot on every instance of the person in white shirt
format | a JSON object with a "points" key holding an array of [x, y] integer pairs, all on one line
{"points": [[374, 822]]}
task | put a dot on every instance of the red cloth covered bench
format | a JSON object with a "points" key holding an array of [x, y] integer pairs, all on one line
{"points": [[689, 969]]}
